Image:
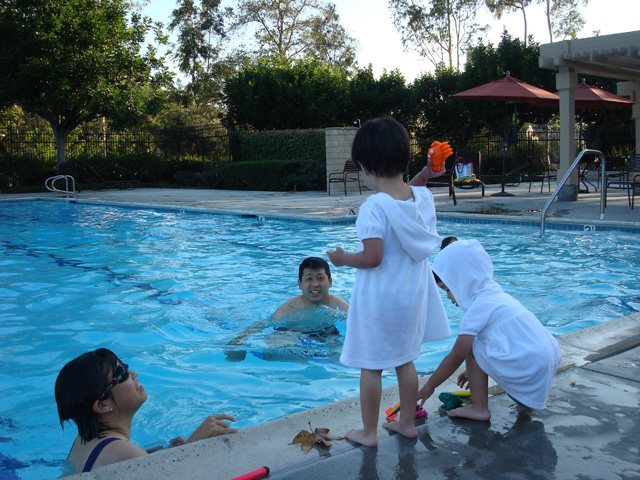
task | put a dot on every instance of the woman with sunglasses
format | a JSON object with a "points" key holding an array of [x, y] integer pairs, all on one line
{"points": [[101, 395]]}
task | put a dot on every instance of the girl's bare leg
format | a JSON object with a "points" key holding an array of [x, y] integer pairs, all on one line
{"points": [[479, 386], [408, 387], [370, 393]]}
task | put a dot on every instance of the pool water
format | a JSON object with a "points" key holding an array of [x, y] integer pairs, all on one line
{"points": [[170, 292]]}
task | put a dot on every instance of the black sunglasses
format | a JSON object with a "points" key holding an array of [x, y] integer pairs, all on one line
{"points": [[120, 374]]}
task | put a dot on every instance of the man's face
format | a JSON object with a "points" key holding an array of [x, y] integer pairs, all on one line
{"points": [[315, 284]]}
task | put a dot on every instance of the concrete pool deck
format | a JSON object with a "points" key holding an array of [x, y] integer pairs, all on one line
{"points": [[591, 428]]}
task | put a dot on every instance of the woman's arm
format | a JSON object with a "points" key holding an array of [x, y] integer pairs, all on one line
{"points": [[448, 366], [369, 257]]}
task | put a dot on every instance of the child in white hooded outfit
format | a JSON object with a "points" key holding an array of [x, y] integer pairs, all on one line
{"points": [[497, 336], [395, 305]]}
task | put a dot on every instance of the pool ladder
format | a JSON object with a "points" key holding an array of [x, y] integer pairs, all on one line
{"points": [[574, 165], [50, 185]]}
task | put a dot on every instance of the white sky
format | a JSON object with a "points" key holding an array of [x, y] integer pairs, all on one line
{"points": [[369, 22]]}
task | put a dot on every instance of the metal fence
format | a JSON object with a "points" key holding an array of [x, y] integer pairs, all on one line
{"points": [[208, 143]]}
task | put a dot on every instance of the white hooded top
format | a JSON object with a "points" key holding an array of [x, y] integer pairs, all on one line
{"points": [[395, 307], [510, 345]]}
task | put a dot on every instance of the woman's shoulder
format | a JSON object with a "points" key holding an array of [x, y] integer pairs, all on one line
{"points": [[117, 451], [114, 449]]}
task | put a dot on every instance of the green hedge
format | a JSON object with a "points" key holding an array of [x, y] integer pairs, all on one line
{"points": [[16, 171], [137, 169], [274, 175], [278, 145]]}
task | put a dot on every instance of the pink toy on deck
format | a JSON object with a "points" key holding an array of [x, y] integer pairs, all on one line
{"points": [[392, 412]]}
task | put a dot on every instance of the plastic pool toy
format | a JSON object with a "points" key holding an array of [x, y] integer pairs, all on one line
{"points": [[392, 412], [438, 154]]}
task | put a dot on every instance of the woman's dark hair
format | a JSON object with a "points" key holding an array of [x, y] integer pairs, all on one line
{"points": [[382, 147], [436, 277], [79, 384]]}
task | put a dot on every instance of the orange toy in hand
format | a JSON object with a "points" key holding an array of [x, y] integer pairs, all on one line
{"points": [[438, 153]]}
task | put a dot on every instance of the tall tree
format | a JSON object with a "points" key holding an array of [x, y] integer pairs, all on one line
{"points": [[200, 27], [563, 17], [294, 29], [500, 7], [71, 61], [439, 30]]}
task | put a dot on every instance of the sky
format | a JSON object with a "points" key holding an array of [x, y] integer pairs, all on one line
{"points": [[370, 23]]}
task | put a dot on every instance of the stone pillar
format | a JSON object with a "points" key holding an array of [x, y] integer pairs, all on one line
{"points": [[566, 82], [338, 144]]}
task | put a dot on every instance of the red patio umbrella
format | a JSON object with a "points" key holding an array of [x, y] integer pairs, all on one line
{"points": [[508, 90], [588, 97]]}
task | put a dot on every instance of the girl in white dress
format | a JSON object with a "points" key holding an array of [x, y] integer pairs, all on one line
{"points": [[395, 305], [497, 336]]}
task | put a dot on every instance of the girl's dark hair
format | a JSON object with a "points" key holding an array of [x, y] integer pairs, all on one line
{"points": [[382, 147], [79, 384]]}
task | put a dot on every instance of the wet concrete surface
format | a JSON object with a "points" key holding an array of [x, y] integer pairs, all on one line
{"points": [[588, 431]]}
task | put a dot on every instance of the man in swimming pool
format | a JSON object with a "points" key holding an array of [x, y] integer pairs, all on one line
{"points": [[314, 279]]}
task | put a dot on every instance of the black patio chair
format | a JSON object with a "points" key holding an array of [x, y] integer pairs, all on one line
{"points": [[541, 168], [350, 173]]}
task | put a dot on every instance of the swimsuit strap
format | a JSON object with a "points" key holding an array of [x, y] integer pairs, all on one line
{"points": [[93, 456]]}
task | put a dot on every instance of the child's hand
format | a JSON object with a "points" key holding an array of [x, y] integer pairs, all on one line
{"points": [[463, 380], [425, 174], [424, 393], [336, 256]]}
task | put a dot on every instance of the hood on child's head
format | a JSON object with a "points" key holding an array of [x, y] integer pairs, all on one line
{"points": [[466, 269]]}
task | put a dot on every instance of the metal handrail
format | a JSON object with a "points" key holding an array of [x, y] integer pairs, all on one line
{"points": [[49, 185], [561, 183]]}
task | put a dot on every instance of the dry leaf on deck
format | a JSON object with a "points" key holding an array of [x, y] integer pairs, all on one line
{"points": [[307, 439]]}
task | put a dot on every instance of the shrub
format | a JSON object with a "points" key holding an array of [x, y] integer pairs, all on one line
{"points": [[273, 175]]}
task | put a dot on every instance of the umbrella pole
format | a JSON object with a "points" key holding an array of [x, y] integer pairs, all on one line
{"points": [[502, 193]]}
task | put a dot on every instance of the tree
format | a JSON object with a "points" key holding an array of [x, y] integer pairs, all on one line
{"points": [[369, 97], [286, 94], [439, 30], [439, 117], [499, 7], [72, 61], [563, 17], [294, 29], [200, 31]]}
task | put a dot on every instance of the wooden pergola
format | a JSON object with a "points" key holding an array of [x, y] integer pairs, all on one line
{"points": [[613, 56]]}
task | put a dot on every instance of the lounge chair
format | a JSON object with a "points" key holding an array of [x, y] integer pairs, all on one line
{"points": [[465, 169]]}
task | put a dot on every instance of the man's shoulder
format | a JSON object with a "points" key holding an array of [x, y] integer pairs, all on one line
{"points": [[336, 301], [291, 305]]}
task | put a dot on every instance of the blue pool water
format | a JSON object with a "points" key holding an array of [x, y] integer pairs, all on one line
{"points": [[168, 291]]}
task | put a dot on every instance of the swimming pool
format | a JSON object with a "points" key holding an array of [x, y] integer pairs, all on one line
{"points": [[168, 290]]}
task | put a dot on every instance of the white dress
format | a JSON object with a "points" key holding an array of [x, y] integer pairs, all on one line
{"points": [[395, 307], [510, 345]]}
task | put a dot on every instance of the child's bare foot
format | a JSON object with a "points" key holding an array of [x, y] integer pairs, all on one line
{"points": [[394, 426], [359, 436], [471, 412]]}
